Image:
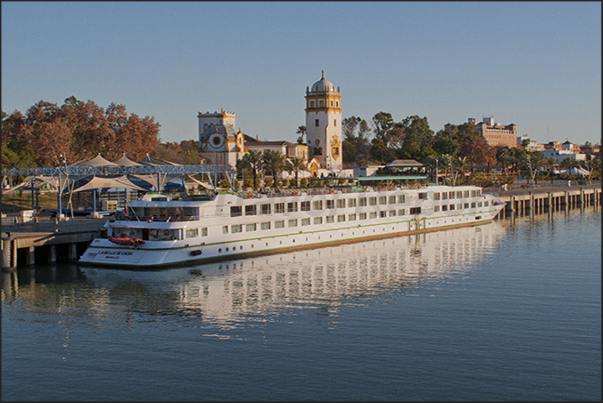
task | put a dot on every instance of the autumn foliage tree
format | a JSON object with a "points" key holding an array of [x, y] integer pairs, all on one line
{"points": [[76, 131]]}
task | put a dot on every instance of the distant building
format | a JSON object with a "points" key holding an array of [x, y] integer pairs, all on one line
{"points": [[561, 155], [495, 133]]}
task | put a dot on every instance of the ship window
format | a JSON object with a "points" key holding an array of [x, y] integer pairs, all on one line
{"points": [[473, 205], [192, 233], [305, 206], [317, 220], [451, 207], [305, 221], [362, 202], [279, 208], [330, 204], [479, 204], [444, 208], [436, 209], [415, 210], [352, 217], [251, 210], [401, 199], [292, 207], [392, 213], [459, 194], [265, 209], [382, 200], [459, 206], [225, 229], [423, 196], [341, 218], [340, 203], [204, 231], [466, 205], [466, 193], [293, 223], [236, 228], [373, 214], [451, 195], [383, 214], [279, 224], [392, 200], [436, 196], [372, 201], [251, 227], [352, 202], [486, 204], [330, 219], [265, 225], [236, 211], [444, 196], [317, 205]]}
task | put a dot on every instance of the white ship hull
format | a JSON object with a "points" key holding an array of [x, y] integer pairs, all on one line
{"points": [[231, 227]]}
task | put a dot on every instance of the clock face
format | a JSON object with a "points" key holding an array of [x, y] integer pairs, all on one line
{"points": [[216, 141]]}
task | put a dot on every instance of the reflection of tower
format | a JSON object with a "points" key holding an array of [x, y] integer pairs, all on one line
{"points": [[323, 124]]}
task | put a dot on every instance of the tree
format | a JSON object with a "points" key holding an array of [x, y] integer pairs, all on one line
{"points": [[478, 152], [382, 122], [380, 152], [356, 145], [252, 161], [274, 162], [301, 130], [534, 161], [297, 165]]}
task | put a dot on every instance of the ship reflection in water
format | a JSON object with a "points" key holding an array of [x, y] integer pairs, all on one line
{"points": [[229, 293]]}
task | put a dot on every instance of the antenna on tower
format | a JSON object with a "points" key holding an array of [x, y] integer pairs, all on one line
{"points": [[323, 74]]}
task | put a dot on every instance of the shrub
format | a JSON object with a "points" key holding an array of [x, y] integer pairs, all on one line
{"points": [[303, 183]]}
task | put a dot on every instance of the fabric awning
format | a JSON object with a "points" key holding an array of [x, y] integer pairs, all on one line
{"points": [[105, 183]]}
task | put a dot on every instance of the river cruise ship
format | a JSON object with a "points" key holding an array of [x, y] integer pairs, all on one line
{"points": [[161, 231]]}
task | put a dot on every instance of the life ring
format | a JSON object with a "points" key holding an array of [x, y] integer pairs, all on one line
{"points": [[166, 232], [364, 189], [391, 188], [332, 191], [295, 193], [250, 196], [150, 219]]}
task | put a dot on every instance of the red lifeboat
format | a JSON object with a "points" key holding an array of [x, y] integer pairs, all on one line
{"points": [[126, 241]]}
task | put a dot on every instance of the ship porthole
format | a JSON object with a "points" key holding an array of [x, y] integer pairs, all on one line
{"points": [[220, 250], [226, 249]]}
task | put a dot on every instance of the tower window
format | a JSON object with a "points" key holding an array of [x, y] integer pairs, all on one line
{"points": [[331, 103], [311, 104], [337, 104], [316, 122], [321, 103], [335, 122]]}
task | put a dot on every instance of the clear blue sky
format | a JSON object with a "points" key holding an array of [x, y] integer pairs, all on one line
{"points": [[534, 64]]}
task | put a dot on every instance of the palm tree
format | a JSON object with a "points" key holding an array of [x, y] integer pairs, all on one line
{"points": [[552, 163], [274, 162], [296, 164], [253, 161], [461, 164], [301, 131]]}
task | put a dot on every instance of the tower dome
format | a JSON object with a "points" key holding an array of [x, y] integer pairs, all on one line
{"points": [[323, 85]]}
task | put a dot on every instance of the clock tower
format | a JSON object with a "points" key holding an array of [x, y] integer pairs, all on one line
{"points": [[323, 124]]}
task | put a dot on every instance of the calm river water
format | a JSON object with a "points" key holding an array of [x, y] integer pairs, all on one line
{"points": [[506, 311]]}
